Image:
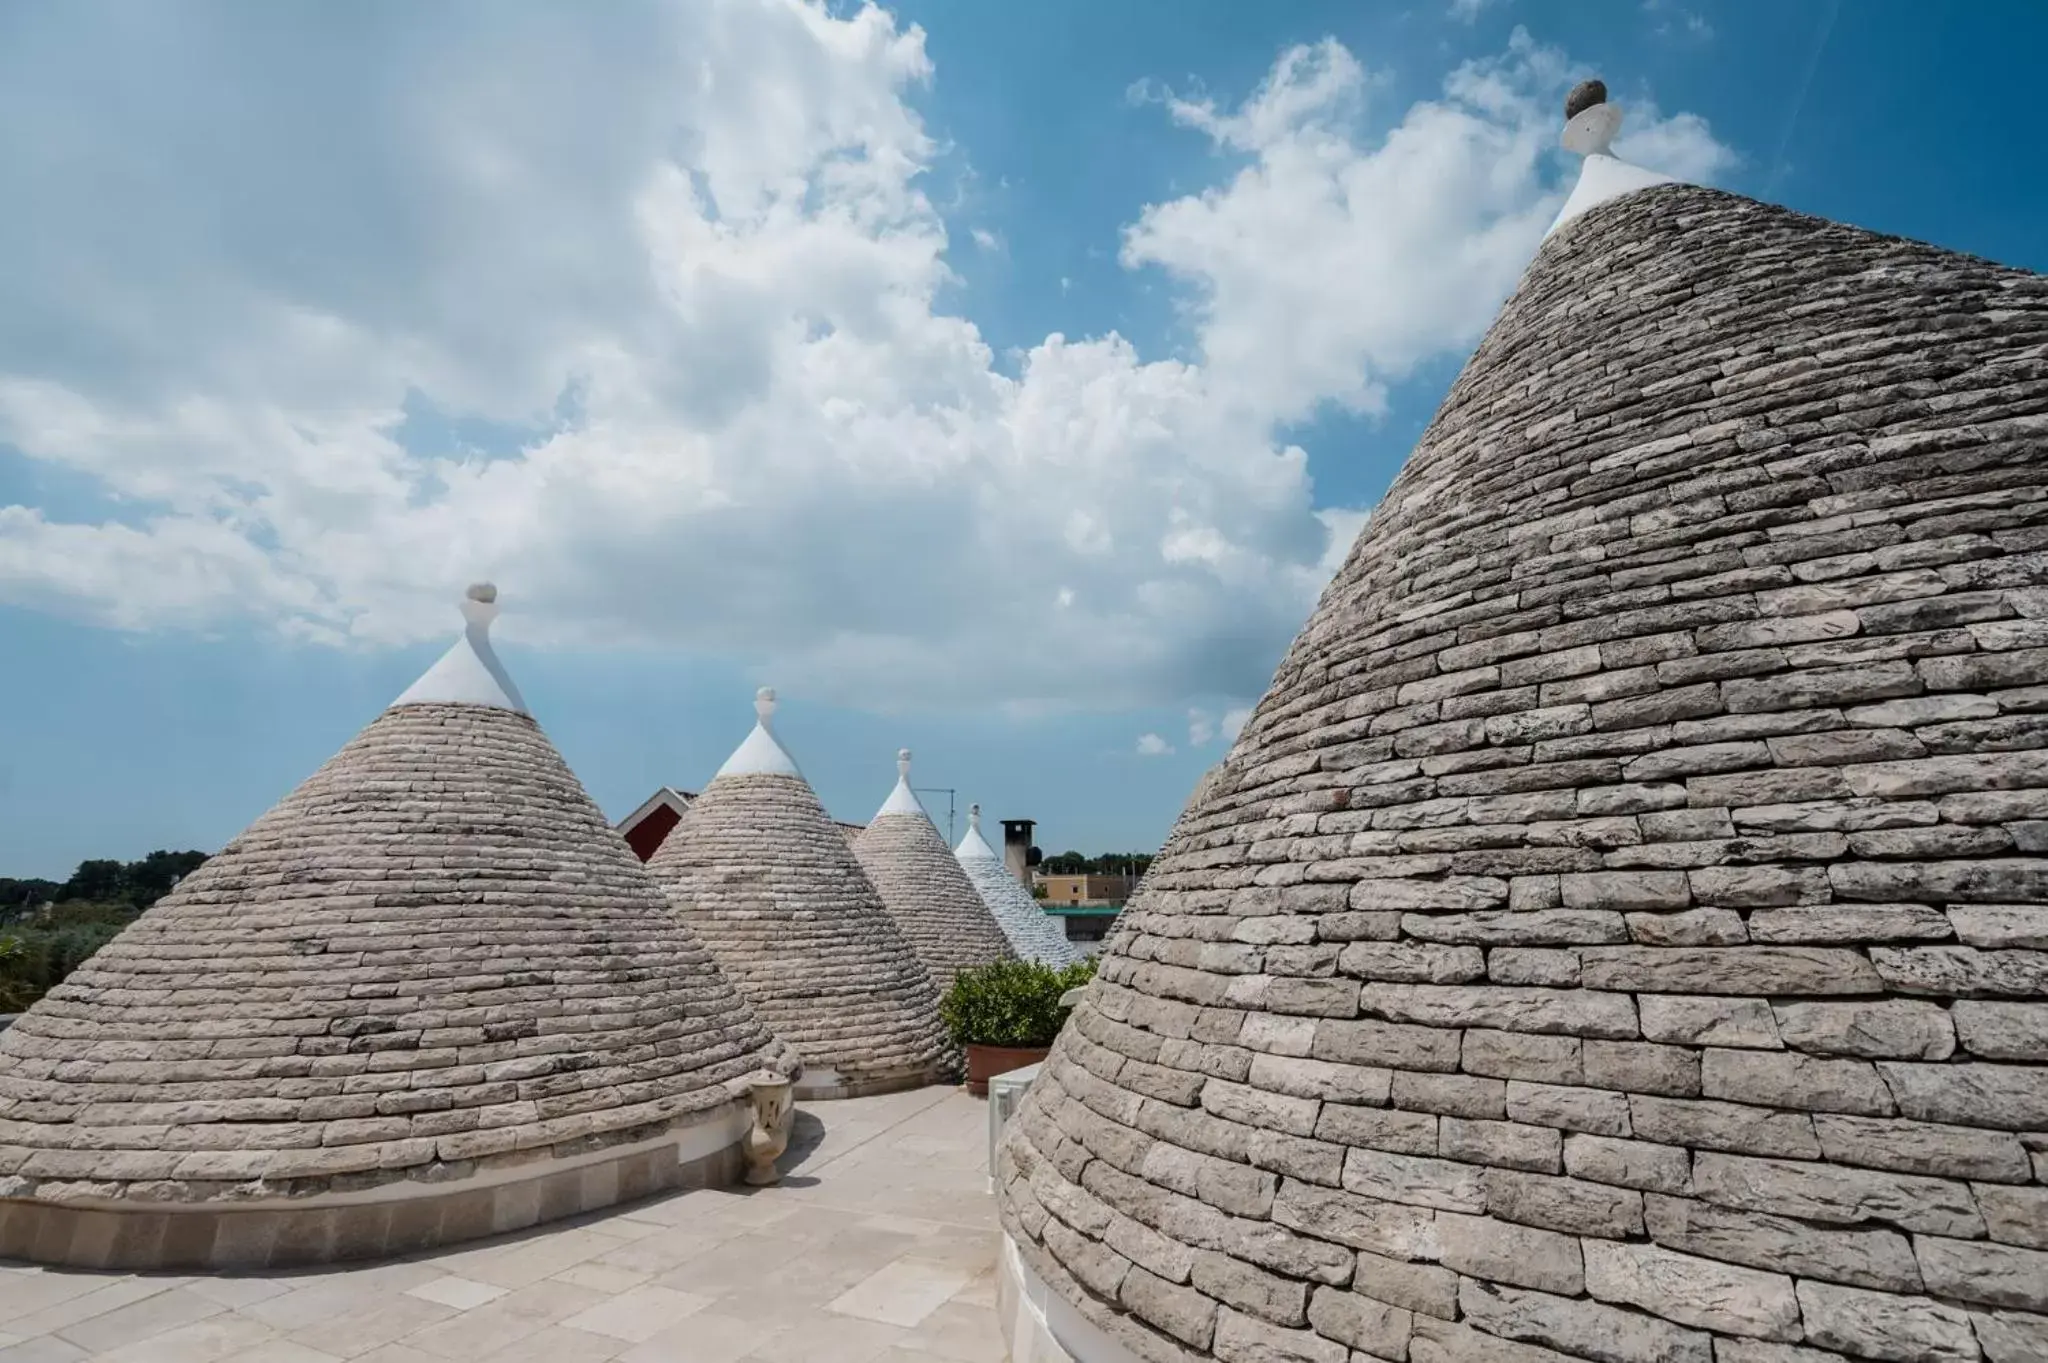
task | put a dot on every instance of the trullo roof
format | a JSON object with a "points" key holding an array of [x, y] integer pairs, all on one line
{"points": [[924, 889], [772, 887], [1618, 933], [432, 951], [1033, 934]]}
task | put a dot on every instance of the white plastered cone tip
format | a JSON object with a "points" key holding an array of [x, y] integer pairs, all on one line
{"points": [[974, 844], [1590, 132], [902, 800], [761, 754], [469, 673]]}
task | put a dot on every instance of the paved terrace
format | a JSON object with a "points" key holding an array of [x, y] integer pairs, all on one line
{"points": [[878, 1247]]}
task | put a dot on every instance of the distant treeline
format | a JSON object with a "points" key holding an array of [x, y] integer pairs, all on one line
{"points": [[137, 884], [47, 927], [1108, 864]]}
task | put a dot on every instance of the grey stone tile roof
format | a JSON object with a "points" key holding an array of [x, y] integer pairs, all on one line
{"points": [[772, 887], [1621, 931], [929, 896], [1033, 935], [431, 958]]}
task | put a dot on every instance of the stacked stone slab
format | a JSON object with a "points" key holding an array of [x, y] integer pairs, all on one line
{"points": [[1032, 933], [924, 889], [1210, 782], [1621, 932], [430, 995], [770, 885]]}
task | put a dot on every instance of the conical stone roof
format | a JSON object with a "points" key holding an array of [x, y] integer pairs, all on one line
{"points": [[1033, 934], [1621, 932], [431, 961], [772, 887], [924, 889]]}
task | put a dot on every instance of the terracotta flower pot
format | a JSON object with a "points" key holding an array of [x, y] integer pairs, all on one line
{"points": [[986, 1062]]}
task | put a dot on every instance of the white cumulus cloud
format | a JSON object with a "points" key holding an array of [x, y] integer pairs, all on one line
{"points": [[637, 310], [1152, 745]]}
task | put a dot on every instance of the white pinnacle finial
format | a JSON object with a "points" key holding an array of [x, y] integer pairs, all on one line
{"points": [[469, 673], [760, 754], [480, 605], [1590, 125], [1590, 121], [974, 818], [902, 800]]}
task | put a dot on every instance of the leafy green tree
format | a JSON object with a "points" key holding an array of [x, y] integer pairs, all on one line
{"points": [[59, 926], [15, 995]]}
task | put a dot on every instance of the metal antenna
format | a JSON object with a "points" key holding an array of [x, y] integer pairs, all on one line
{"points": [[948, 792]]}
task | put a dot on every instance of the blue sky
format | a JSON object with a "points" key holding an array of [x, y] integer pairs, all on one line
{"points": [[720, 336]]}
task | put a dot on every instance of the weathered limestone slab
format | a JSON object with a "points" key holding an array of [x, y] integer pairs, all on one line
{"points": [[1693, 1291], [1585, 1329], [1821, 1192], [1867, 1257], [1885, 1325]]}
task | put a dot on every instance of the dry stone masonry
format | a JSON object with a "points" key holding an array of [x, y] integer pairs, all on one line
{"points": [[768, 882], [1032, 934], [1621, 933], [924, 889], [431, 968]]}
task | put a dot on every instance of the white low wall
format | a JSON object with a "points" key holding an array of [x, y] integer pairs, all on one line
{"points": [[1039, 1326]]}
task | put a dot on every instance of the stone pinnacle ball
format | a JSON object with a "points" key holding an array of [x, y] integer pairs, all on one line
{"points": [[1584, 96]]}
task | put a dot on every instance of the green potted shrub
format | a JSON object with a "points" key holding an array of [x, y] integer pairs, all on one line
{"points": [[1005, 1014]]}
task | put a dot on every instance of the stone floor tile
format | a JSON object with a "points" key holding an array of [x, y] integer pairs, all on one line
{"points": [[602, 1277], [103, 1293], [615, 1226], [315, 1298], [282, 1351], [980, 1292], [658, 1253], [708, 1337], [809, 1224], [886, 1206], [541, 1255], [202, 1341], [959, 1332], [555, 1344], [43, 1349], [397, 1353], [903, 1225], [821, 1337], [235, 1293], [461, 1293], [26, 1291], [153, 1315], [502, 1323], [901, 1293], [638, 1313], [910, 1353], [396, 1316], [733, 1265]]}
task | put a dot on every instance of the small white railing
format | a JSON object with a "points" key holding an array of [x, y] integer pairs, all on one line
{"points": [[1005, 1092]]}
